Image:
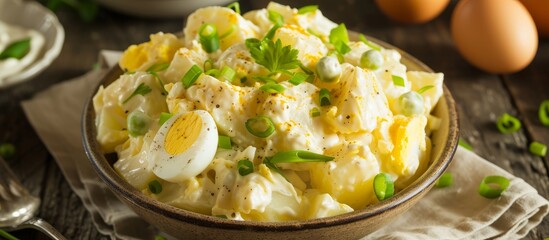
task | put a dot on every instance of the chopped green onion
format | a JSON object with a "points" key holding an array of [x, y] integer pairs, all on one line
{"points": [[159, 67], [208, 37], [155, 187], [160, 237], [341, 47], [229, 32], [296, 156], [339, 38], [272, 87], [208, 64], [339, 34], [138, 123], [212, 72], [398, 81], [227, 73], [324, 96], [368, 43], [191, 76], [235, 6], [425, 88], [7, 150], [7, 236], [270, 34], [543, 113], [245, 167], [298, 78], [305, 69], [384, 186], [538, 149], [315, 112], [142, 90], [314, 33], [328, 69], [493, 186], [224, 142], [16, 49], [371, 59], [164, 116], [445, 180], [260, 126], [276, 18], [465, 144], [508, 124], [307, 9], [272, 166], [411, 103]]}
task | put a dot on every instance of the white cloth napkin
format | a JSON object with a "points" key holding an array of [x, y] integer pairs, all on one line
{"points": [[456, 212]]}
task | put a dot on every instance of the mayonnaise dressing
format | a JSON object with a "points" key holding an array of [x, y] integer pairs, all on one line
{"points": [[11, 33]]}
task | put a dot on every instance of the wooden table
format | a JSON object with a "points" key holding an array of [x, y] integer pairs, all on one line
{"points": [[481, 99]]}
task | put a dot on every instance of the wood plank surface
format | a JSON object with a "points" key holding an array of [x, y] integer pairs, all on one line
{"points": [[481, 98]]}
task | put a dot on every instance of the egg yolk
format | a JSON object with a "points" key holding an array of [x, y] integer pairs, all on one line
{"points": [[183, 133]]}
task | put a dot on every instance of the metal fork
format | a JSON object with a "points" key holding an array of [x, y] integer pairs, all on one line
{"points": [[18, 207]]}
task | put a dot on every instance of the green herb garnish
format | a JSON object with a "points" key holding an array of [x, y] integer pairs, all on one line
{"points": [[142, 90], [17, 49]]}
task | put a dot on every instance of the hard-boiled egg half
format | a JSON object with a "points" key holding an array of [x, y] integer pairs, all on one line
{"points": [[184, 146]]}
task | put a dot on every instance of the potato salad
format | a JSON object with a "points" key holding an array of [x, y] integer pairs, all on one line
{"points": [[270, 115]]}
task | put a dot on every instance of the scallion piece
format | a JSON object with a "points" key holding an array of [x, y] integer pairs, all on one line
{"points": [[155, 187], [272, 166], [272, 87], [227, 73], [7, 150], [7, 236], [315, 112], [307, 9], [224, 142], [298, 78], [342, 48], [384, 186], [543, 113], [16, 49], [208, 64], [276, 18], [235, 6], [138, 123], [245, 167], [445, 180], [493, 186], [297, 156], [158, 67], [398, 81], [229, 32], [164, 116], [425, 88], [142, 90], [191, 76], [538, 149], [372, 45], [324, 96], [465, 144], [508, 124], [208, 37], [339, 34], [260, 126]]}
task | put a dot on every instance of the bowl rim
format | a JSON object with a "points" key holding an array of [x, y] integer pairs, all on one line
{"points": [[49, 54], [125, 190]]}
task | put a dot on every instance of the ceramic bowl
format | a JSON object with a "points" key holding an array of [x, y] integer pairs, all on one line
{"points": [[31, 14], [354, 225], [159, 8]]}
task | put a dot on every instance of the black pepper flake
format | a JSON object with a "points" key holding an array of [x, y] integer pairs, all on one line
{"points": [[217, 105], [348, 117]]}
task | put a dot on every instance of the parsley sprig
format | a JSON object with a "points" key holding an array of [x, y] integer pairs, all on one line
{"points": [[272, 55]]}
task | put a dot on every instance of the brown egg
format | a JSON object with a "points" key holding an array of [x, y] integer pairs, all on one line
{"points": [[539, 9], [497, 36], [412, 11]]}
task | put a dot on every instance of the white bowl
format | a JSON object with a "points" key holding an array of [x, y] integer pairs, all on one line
{"points": [[160, 8], [31, 14]]}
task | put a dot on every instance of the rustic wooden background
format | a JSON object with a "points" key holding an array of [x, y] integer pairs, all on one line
{"points": [[481, 98]]}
